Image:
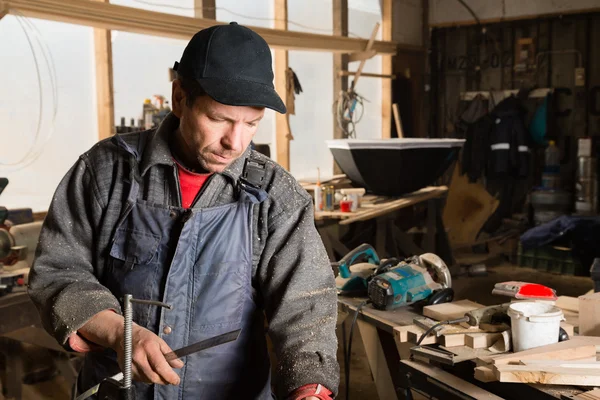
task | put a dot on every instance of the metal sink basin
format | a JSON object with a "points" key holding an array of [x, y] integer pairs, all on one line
{"points": [[393, 167]]}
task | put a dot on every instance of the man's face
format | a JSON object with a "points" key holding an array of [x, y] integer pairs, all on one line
{"points": [[213, 134]]}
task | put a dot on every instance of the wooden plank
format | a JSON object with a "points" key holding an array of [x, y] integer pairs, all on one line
{"points": [[366, 74], [468, 207], [205, 9], [454, 310], [548, 375], [397, 121], [414, 334], [431, 192], [362, 63], [340, 63], [105, 103], [485, 374], [135, 20], [452, 381], [377, 362], [455, 340], [568, 303], [386, 69], [577, 347], [401, 333], [481, 340], [282, 132], [591, 395], [361, 55], [589, 314], [488, 21], [589, 362], [570, 329]]}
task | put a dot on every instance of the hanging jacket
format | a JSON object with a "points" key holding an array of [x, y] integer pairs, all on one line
{"points": [[509, 151]]}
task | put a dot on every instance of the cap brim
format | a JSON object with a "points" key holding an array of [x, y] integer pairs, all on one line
{"points": [[237, 92]]}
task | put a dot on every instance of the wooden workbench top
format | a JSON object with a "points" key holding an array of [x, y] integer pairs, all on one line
{"points": [[385, 320], [373, 206]]}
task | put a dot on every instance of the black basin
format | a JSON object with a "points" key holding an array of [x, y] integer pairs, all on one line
{"points": [[393, 167]]}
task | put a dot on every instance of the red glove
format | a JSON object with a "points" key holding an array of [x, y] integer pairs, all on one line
{"points": [[318, 391]]}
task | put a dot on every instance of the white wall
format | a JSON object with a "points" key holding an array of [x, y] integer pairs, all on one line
{"points": [[445, 11], [135, 79], [75, 128]]}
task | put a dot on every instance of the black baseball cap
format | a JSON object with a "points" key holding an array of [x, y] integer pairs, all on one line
{"points": [[233, 65]]}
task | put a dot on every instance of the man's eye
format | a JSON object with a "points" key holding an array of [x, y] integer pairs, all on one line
{"points": [[252, 124]]}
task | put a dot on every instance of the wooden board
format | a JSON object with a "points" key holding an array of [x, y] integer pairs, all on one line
{"points": [[340, 62], [282, 128], [481, 340], [105, 104], [485, 374], [454, 310], [452, 381], [386, 69], [468, 207], [577, 347], [548, 375], [569, 328], [136, 20], [591, 395], [568, 303], [589, 314], [453, 340]]}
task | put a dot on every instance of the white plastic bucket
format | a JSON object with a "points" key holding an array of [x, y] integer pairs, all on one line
{"points": [[534, 324]]}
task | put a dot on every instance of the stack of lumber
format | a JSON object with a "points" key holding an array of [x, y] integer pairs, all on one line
{"points": [[449, 335], [572, 362], [482, 337]]}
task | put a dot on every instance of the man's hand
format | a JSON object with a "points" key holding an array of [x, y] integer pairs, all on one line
{"points": [[148, 355], [148, 358]]}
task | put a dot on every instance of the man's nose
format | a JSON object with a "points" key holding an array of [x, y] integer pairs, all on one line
{"points": [[232, 140]]}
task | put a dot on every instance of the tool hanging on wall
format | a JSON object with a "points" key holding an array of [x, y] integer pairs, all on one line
{"points": [[348, 106], [293, 87]]}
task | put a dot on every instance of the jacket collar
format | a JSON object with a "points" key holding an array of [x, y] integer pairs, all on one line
{"points": [[157, 150]]}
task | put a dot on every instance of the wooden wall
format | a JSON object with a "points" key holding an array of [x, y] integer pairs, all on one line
{"points": [[463, 59]]}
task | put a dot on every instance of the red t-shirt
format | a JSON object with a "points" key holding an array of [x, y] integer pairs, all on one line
{"points": [[190, 184]]}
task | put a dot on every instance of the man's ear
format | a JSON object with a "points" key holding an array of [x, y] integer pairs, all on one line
{"points": [[177, 98]]}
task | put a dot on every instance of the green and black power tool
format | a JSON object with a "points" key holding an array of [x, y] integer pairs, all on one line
{"points": [[392, 283], [419, 278]]}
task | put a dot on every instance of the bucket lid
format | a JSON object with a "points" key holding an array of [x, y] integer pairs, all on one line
{"points": [[535, 311]]}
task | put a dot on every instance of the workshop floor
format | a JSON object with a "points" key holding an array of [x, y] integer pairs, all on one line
{"points": [[362, 387]]}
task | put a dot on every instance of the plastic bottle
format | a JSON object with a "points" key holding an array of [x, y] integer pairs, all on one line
{"points": [[318, 193], [551, 174]]}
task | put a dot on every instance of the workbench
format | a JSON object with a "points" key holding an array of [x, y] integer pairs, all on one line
{"points": [[20, 324], [390, 240], [394, 373]]}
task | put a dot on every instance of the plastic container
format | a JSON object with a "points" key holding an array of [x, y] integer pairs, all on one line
{"points": [[534, 324], [551, 174]]}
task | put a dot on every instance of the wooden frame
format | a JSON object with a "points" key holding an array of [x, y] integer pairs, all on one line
{"points": [[205, 9], [386, 69], [105, 103], [282, 134], [128, 19], [340, 63]]}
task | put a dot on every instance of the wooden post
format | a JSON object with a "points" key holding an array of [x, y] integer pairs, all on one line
{"points": [[205, 9], [104, 82], [282, 133], [386, 69], [340, 63]]}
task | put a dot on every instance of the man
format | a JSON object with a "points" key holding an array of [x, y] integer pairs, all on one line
{"points": [[187, 214]]}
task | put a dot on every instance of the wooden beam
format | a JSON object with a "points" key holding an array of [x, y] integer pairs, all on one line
{"points": [[386, 69], [282, 133], [488, 21], [205, 9], [135, 20], [340, 63], [361, 56], [362, 63], [105, 104], [366, 75]]}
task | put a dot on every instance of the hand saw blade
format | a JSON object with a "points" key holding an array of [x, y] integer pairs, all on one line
{"points": [[203, 345], [182, 352]]}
